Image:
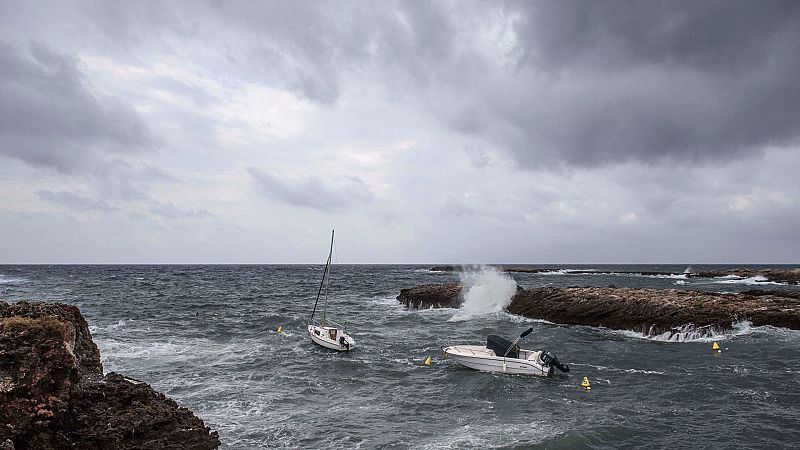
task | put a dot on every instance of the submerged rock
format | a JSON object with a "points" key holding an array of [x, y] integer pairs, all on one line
{"points": [[53, 393], [649, 311]]}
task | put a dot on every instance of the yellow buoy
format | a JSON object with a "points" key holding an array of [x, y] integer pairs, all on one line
{"points": [[280, 329], [428, 361], [716, 347], [585, 384]]}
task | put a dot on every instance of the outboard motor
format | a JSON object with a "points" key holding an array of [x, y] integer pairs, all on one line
{"points": [[549, 359]]}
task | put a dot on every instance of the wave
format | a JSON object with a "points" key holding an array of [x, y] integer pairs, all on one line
{"points": [[692, 333], [618, 369], [486, 292], [596, 272], [750, 281], [7, 279]]}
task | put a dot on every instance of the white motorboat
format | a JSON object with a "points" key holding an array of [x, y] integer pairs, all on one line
{"points": [[328, 333], [501, 355]]}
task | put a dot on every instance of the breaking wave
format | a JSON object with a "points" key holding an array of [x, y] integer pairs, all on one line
{"points": [[750, 281], [6, 279], [486, 291], [692, 333]]}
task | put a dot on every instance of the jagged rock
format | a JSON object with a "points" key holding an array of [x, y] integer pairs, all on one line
{"points": [[790, 276], [652, 311], [445, 268], [53, 393], [649, 311], [432, 296]]}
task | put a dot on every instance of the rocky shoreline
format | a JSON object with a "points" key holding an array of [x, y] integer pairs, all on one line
{"points": [[648, 311], [53, 393], [787, 276]]}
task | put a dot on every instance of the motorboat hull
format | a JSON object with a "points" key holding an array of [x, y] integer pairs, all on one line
{"points": [[331, 337], [479, 358]]}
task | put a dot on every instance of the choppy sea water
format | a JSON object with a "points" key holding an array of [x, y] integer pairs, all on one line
{"points": [[206, 336]]}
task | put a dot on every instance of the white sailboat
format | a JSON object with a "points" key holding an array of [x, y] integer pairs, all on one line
{"points": [[328, 333]]}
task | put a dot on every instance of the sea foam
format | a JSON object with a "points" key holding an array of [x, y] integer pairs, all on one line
{"points": [[692, 333], [486, 291]]}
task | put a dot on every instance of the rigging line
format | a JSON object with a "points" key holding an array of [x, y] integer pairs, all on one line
{"points": [[336, 253], [324, 273]]}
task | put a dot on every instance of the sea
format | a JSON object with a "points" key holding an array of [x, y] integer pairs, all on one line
{"points": [[207, 336]]}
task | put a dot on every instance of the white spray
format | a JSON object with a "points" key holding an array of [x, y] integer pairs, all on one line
{"points": [[486, 291]]}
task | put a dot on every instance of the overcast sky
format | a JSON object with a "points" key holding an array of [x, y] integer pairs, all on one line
{"points": [[424, 132]]}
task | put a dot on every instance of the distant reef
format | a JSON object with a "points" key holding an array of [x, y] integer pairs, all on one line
{"points": [[53, 393], [649, 311], [788, 276]]}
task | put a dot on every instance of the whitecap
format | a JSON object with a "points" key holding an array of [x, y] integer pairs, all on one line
{"points": [[8, 279], [692, 333], [750, 281]]}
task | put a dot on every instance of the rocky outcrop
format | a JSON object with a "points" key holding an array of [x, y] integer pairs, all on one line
{"points": [[652, 311], [649, 311], [53, 393], [526, 269], [429, 296], [789, 276]]}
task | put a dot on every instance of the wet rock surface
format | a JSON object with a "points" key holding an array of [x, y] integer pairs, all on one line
{"points": [[53, 393], [789, 276], [429, 296], [648, 311], [652, 311]]}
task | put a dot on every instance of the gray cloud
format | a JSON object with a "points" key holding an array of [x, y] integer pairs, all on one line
{"points": [[49, 118], [312, 192], [75, 202], [170, 211], [578, 83], [584, 84], [651, 81]]}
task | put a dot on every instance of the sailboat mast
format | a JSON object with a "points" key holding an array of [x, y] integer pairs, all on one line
{"points": [[327, 283], [322, 283]]}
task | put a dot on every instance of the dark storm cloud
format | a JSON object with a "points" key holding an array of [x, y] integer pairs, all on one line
{"points": [[49, 118], [311, 192], [577, 83], [584, 83], [685, 81]]}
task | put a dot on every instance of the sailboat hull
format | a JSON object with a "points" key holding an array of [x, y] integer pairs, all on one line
{"points": [[332, 338]]}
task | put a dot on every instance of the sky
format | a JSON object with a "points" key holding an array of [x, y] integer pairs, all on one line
{"points": [[423, 132]]}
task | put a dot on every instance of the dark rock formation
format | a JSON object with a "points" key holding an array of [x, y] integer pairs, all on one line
{"points": [[652, 311], [776, 293], [525, 269], [445, 268], [53, 393], [432, 296], [789, 276], [649, 311]]}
